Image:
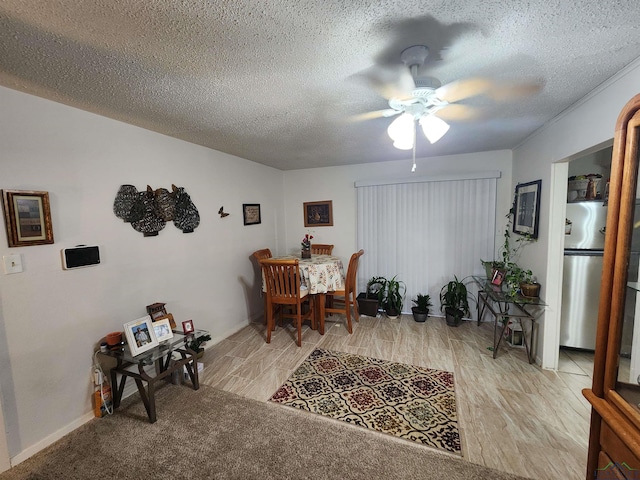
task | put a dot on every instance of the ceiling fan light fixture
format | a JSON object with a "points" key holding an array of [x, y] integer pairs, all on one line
{"points": [[403, 144], [401, 127], [433, 127]]}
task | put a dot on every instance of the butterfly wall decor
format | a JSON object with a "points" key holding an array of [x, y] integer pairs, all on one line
{"points": [[222, 213]]}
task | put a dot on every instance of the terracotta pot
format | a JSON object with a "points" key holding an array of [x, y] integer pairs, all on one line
{"points": [[113, 338]]}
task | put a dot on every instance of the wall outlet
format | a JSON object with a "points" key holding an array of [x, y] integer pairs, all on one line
{"points": [[12, 263]]}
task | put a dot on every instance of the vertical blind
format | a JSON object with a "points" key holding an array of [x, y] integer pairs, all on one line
{"points": [[425, 232]]}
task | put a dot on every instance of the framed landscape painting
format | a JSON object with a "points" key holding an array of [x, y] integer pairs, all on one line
{"points": [[27, 217]]}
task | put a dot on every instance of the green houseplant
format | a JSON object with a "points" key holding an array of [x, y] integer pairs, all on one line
{"points": [[391, 296], [509, 250], [368, 302], [454, 301], [196, 343], [421, 306]]}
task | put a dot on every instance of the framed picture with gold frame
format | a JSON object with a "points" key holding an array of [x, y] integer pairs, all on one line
{"points": [[318, 214], [27, 217]]}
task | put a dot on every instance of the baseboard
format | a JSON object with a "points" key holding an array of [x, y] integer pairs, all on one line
{"points": [[54, 437], [129, 390]]}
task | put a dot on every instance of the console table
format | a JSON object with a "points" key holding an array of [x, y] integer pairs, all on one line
{"points": [[503, 307], [165, 365]]}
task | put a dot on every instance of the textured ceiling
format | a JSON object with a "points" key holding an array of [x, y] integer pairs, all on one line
{"points": [[273, 81]]}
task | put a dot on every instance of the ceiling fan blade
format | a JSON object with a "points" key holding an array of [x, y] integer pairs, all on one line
{"points": [[456, 112], [461, 89], [389, 81], [388, 112], [511, 91]]}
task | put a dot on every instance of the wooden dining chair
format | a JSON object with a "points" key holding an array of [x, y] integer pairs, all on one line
{"points": [[261, 255], [341, 301], [321, 249], [283, 288]]}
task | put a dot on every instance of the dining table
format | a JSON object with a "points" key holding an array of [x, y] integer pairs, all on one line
{"points": [[319, 274]]}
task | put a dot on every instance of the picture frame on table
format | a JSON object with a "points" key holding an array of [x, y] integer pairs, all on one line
{"points": [[187, 326], [27, 217], [162, 329], [318, 214], [251, 213], [140, 335], [526, 209], [169, 317], [157, 310]]}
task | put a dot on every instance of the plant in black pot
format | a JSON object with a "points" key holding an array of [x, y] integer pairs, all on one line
{"points": [[368, 302], [454, 301], [196, 343], [392, 297], [421, 309]]}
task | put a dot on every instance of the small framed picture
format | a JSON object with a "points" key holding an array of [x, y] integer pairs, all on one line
{"points": [[157, 310], [318, 214], [187, 326], [162, 329], [27, 217], [169, 317], [526, 211], [140, 335], [497, 277], [251, 213]]}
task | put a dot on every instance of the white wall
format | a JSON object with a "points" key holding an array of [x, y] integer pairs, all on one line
{"points": [[337, 184], [589, 123], [50, 319]]}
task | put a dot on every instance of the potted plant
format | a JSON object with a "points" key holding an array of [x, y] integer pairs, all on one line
{"points": [[391, 297], [421, 309], [368, 302], [522, 281], [509, 251], [454, 301], [196, 344]]}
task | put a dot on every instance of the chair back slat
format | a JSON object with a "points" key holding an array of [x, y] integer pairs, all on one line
{"points": [[321, 249], [283, 280]]}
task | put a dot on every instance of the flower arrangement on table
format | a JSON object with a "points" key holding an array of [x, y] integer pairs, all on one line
{"points": [[306, 242]]}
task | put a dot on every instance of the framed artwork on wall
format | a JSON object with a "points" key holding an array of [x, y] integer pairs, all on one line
{"points": [[251, 213], [140, 335], [27, 217], [526, 211], [318, 214]]}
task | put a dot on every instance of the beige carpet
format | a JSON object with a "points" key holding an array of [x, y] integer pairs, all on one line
{"points": [[410, 402], [211, 434]]}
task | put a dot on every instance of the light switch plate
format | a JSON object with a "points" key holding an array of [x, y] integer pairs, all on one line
{"points": [[12, 263]]}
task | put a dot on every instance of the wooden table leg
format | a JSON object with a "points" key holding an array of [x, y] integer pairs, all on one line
{"points": [[320, 298]]}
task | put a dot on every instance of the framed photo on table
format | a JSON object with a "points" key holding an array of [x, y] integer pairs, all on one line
{"points": [[187, 326], [251, 213], [162, 329], [27, 217], [318, 214], [140, 335], [526, 209]]}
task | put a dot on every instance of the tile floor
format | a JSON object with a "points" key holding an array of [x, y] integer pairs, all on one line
{"points": [[513, 416]]}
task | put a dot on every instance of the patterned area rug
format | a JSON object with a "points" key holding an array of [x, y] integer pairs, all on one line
{"points": [[410, 402]]}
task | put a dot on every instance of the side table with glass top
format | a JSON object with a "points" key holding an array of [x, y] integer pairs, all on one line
{"points": [[505, 307], [162, 357]]}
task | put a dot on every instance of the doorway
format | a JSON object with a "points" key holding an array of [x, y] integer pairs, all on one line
{"points": [[566, 354]]}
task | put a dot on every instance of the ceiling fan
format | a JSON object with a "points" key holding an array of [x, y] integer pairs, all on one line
{"points": [[424, 101]]}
